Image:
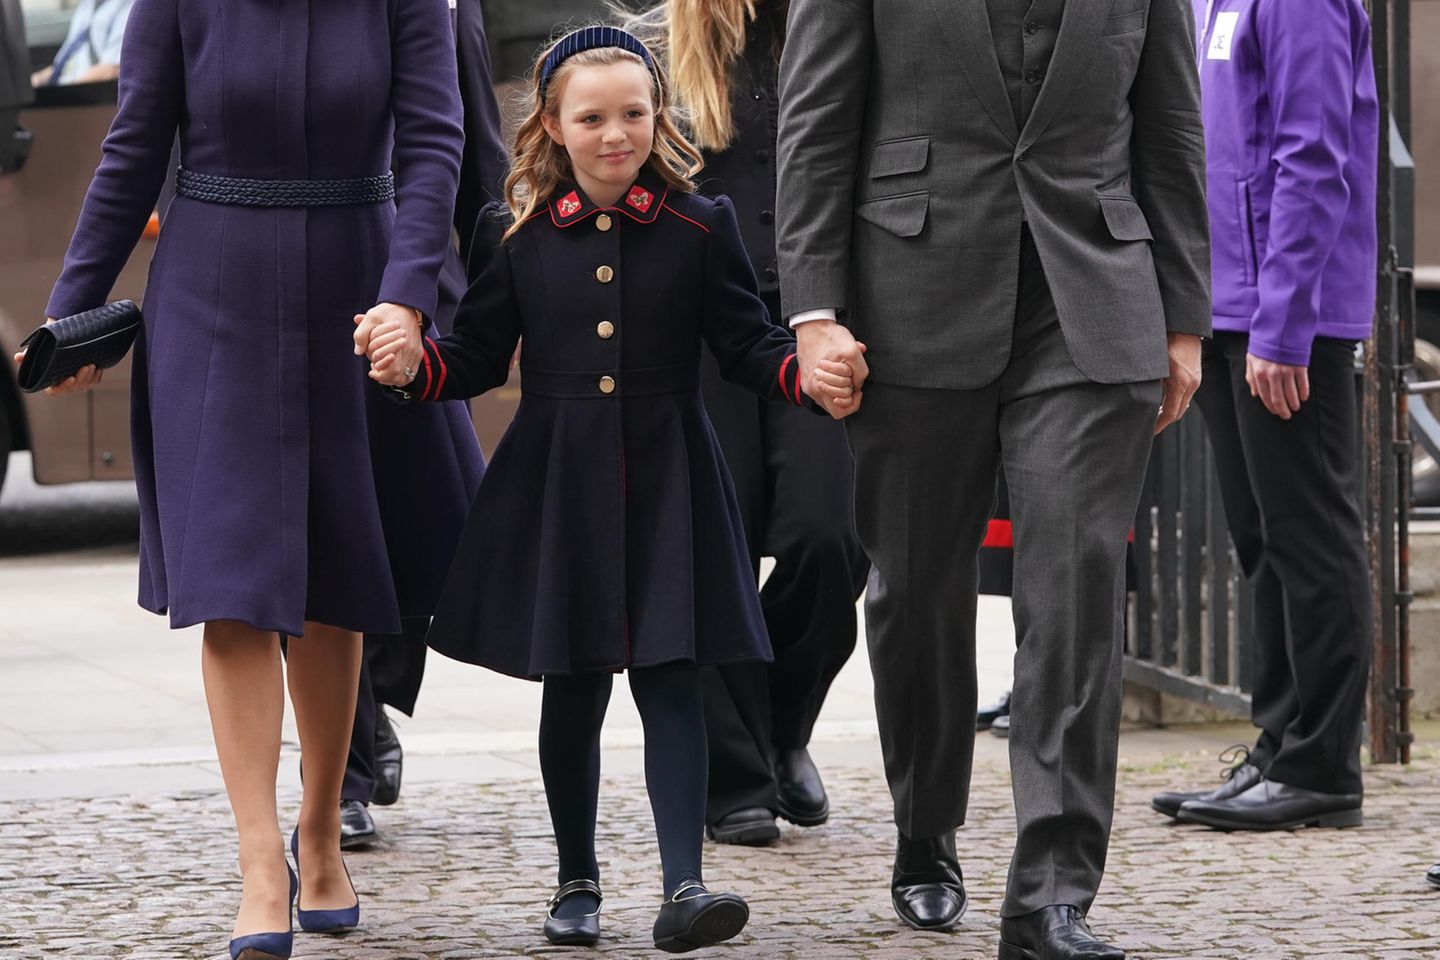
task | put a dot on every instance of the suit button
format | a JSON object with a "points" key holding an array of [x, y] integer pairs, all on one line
{"points": [[606, 329], [762, 155], [767, 217], [602, 222], [604, 274], [771, 275], [1034, 76], [607, 384], [1022, 156], [1032, 27]]}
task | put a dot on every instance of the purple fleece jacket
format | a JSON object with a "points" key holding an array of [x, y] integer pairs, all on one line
{"points": [[1292, 130]]}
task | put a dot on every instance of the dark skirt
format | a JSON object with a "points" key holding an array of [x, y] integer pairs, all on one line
{"points": [[605, 535]]}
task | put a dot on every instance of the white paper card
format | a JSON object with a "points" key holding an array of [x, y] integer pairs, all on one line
{"points": [[1222, 34]]}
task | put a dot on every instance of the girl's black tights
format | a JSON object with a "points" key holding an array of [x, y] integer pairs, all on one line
{"points": [[676, 766]]}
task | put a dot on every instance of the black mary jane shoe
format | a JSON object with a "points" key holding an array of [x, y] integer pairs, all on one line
{"points": [[581, 931], [926, 886], [1057, 932], [693, 917], [748, 827], [799, 789]]}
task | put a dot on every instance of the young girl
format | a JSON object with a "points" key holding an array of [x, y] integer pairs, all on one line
{"points": [[606, 536]]}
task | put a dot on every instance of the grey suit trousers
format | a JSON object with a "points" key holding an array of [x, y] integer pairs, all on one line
{"points": [[1074, 454]]}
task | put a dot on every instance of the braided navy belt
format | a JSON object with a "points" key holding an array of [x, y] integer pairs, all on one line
{"points": [[248, 192]]}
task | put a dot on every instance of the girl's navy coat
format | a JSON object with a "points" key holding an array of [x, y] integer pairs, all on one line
{"points": [[606, 534]]}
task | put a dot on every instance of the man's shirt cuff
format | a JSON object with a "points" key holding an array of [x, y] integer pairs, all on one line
{"points": [[805, 316]]}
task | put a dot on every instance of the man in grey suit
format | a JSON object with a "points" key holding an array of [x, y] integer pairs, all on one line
{"points": [[1004, 200]]}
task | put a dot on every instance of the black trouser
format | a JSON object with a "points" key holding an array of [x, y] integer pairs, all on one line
{"points": [[1289, 488], [571, 713], [390, 673], [793, 479]]}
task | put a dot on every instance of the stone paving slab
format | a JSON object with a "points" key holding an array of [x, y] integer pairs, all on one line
{"points": [[464, 871]]}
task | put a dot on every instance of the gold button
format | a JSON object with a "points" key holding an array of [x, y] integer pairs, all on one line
{"points": [[606, 329], [604, 274], [602, 222], [607, 384]]}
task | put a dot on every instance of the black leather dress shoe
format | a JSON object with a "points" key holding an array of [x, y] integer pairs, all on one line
{"points": [[357, 827], [581, 931], [1433, 875], [1237, 781], [694, 917], [926, 886], [1269, 805], [1001, 726], [802, 793], [985, 717], [748, 826], [389, 759], [1053, 933]]}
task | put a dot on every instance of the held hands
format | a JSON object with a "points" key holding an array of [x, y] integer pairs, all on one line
{"points": [[1183, 381], [1280, 386], [391, 337], [832, 366], [85, 378]]}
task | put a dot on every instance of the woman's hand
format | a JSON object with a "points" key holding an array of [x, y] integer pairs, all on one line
{"points": [[390, 336], [84, 379]]}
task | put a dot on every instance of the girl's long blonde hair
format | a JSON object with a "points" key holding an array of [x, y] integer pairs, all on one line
{"points": [[701, 40], [540, 164]]}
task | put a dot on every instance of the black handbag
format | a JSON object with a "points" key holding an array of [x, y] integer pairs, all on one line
{"points": [[57, 351]]}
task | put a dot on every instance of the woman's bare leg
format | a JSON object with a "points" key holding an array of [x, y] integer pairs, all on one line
{"points": [[245, 692], [324, 676]]}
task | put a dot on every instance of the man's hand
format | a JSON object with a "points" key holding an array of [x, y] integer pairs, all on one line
{"points": [[84, 379], [818, 340], [1183, 381], [1280, 386], [390, 336]]}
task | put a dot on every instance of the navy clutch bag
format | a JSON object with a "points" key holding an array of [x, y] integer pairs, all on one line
{"points": [[57, 351]]}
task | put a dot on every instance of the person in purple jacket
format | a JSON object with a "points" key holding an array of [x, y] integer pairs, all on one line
{"points": [[278, 491], [1291, 128]]}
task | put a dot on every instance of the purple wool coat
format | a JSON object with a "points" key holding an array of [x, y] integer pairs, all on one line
{"points": [[276, 485], [1291, 137]]}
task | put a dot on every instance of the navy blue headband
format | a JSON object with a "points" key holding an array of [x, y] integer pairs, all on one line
{"points": [[591, 38]]}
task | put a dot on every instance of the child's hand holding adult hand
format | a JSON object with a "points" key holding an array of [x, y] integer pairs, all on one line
{"points": [[835, 383], [389, 334]]}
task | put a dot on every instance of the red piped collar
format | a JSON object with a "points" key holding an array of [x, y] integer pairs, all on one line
{"points": [[641, 203]]}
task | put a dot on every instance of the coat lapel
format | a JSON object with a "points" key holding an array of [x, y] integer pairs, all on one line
{"points": [[1079, 38], [967, 24]]}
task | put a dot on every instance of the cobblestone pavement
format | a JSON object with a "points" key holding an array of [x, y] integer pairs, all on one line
{"points": [[464, 872]]}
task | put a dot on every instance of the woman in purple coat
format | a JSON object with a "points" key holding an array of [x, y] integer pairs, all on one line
{"points": [[267, 507]]}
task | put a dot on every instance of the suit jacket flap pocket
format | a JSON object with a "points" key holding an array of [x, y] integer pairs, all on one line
{"points": [[1125, 218], [903, 216], [893, 157]]}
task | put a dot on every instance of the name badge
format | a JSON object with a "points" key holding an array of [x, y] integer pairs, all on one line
{"points": [[1222, 35]]}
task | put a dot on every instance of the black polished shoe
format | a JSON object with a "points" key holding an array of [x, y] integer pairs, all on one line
{"points": [[985, 717], [748, 826], [802, 793], [1269, 805], [1433, 875], [581, 931], [389, 759], [1239, 775], [1001, 726], [694, 917], [357, 827], [926, 886], [1053, 933]]}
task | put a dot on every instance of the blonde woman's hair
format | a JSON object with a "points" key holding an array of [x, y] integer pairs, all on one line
{"points": [[540, 164], [701, 40]]}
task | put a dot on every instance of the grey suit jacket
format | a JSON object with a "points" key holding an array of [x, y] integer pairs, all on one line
{"points": [[903, 183]]}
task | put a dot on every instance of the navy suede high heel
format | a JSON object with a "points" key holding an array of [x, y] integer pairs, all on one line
{"points": [[325, 921], [269, 946]]}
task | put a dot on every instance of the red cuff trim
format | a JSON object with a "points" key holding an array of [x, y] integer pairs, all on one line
{"points": [[799, 401], [785, 365], [444, 368], [429, 380], [999, 534]]}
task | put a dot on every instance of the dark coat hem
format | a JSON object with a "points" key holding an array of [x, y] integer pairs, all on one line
{"points": [[609, 668], [179, 621]]}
